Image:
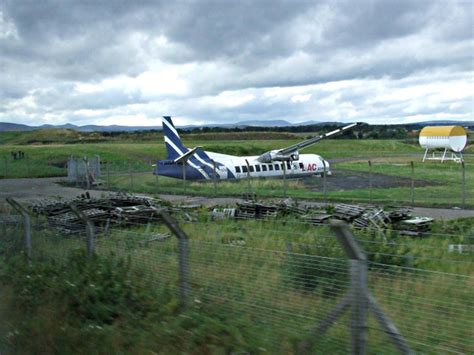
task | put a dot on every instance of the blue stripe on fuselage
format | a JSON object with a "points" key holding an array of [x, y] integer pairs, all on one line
{"points": [[173, 170]]}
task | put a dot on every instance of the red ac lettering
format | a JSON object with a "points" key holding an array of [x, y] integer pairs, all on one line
{"points": [[311, 167]]}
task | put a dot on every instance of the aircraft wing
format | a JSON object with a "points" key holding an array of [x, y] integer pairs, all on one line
{"points": [[291, 152], [311, 141]]}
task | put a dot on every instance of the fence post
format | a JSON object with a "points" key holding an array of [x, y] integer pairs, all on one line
{"points": [[108, 175], [76, 168], [359, 289], [214, 178], [183, 256], [248, 175], [86, 171], [156, 179], [28, 172], [358, 298], [6, 167], [27, 222], [325, 192], [184, 177], [412, 182], [89, 229], [370, 181], [130, 172], [463, 188], [285, 186]]}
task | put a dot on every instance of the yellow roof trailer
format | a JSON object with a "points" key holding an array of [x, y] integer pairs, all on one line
{"points": [[453, 138]]}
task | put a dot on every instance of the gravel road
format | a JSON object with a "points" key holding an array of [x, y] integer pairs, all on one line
{"points": [[31, 189]]}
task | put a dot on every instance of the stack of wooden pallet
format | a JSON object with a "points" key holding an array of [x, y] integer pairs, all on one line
{"points": [[347, 212]]}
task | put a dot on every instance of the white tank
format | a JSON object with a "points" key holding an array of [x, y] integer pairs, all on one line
{"points": [[450, 137]]}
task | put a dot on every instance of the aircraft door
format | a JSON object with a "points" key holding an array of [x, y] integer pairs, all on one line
{"points": [[221, 172]]}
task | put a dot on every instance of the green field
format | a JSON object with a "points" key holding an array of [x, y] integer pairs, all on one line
{"points": [[125, 161]]}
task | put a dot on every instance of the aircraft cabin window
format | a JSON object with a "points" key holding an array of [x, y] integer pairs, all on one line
{"points": [[270, 167], [264, 167], [257, 167], [277, 167], [251, 168], [301, 166], [244, 169], [288, 166], [237, 169]]}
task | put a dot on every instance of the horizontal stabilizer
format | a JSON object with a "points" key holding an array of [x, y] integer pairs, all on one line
{"points": [[182, 158]]}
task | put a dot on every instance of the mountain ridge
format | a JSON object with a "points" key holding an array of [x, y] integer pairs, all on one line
{"points": [[9, 126]]}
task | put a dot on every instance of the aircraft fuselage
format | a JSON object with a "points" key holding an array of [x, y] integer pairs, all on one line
{"points": [[235, 167]]}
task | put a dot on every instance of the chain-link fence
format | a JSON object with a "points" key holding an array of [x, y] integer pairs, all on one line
{"points": [[372, 181], [398, 179], [303, 288]]}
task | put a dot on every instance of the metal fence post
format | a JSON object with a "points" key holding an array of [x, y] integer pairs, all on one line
{"points": [[359, 289], [27, 166], [412, 182], [285, 186], [27, 221], [130, 172], [86, 171], [108, 174], [6, 167], [359, 299], [214, 178], [76, 168], [463, 188], [325, 192], [183, 256], [248, 175], [184, 177], [370, 181], [156, 179], [89, 229]]}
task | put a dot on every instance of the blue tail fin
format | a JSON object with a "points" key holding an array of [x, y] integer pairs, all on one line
{"points": [[174, 147]]}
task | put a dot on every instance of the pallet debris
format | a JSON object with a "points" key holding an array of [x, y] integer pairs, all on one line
{"points": [[115, 209]]}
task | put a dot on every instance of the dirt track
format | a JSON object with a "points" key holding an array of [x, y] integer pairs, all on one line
{"points": [[31, 189]]}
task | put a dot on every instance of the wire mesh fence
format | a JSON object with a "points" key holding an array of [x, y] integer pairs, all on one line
{"points": [[385, 178], [285, 277]]}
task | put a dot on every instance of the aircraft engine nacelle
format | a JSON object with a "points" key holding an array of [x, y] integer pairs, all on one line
{"points": [[274, 155]]}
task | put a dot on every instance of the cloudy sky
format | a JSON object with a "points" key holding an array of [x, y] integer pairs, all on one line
{"points": [[130, 62]]}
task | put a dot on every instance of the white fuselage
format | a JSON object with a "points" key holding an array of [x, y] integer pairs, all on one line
{"points": [[243, 167]]}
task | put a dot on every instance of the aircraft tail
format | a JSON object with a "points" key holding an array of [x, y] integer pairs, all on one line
{"points": [[174, 147]]}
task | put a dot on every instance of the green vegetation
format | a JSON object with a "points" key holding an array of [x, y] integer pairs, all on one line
{"points": [[104, 305], [256, 286]]}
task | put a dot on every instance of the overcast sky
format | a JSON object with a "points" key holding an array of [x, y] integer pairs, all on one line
{"points": [[130, 62]]}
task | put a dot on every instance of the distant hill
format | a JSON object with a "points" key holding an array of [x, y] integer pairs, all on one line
{"points": [[262, 123], [8, 126], [5, 126], [445, 123]]}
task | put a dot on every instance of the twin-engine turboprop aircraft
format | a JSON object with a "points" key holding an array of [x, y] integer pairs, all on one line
{"points": [[197, 164]]}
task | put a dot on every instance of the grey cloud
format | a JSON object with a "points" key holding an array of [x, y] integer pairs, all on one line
{"points": [[235, 45]]}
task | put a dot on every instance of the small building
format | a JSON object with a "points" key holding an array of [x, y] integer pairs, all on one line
{"points": [[452, 138]]}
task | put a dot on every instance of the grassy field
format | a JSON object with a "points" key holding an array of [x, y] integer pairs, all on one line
{"points": [[389, 157], [256, 286]]}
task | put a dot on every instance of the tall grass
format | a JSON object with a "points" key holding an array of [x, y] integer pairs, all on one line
{"points": [[261, 286]]}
